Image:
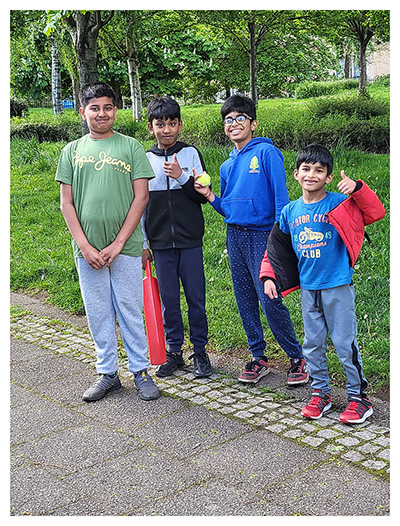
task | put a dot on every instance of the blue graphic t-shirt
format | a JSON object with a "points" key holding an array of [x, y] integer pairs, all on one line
{"points": [[323, 257]]}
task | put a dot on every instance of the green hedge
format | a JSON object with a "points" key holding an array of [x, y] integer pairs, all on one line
{"points": [[347, 120], [362, 107], [308, 90], [18, 108]]}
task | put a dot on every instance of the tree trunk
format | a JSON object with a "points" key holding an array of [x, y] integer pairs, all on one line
{"points": [[55, 78], [116, 86], [134, 81], [75, 91], [84, 29], [347, 64], [85, 42], [253, 63], [362, 84]]}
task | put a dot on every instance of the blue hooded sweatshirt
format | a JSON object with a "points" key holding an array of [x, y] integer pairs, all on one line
{"points": [[253, 186]]}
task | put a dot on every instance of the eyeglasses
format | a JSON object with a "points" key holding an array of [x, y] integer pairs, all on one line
{"points": [[240, 119]]}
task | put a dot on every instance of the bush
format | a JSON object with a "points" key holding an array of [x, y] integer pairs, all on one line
{"points": [[345, 119], [308, 90], [361, 107], [44, 131], [383, 80], [18, 108]]}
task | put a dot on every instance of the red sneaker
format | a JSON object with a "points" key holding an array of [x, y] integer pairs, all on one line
{"points": [[319, 404], [298, 372], [254, 371], [358, 410]]}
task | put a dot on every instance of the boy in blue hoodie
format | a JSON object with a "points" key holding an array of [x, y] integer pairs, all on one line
{"points": [[253, 193]]}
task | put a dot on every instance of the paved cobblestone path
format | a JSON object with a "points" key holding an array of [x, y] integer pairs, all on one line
{"points": [[366, 445]]}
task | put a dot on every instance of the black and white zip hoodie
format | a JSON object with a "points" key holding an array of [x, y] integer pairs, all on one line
{"points": [[173, 217]]}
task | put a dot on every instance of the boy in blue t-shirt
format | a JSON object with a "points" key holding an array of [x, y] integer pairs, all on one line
{"points": [[325, 231]]}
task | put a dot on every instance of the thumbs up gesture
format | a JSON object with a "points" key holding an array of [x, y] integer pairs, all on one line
{"points": [[346, 185], [173, 169]]}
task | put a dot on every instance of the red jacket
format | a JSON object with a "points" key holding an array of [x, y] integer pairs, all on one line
{"points": [[361, 208]]}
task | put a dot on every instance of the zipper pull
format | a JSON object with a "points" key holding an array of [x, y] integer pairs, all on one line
{"points": [[166, 159]]}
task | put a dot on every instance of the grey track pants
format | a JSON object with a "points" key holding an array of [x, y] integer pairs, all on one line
{"points": [[107, 293], [332, 310]]}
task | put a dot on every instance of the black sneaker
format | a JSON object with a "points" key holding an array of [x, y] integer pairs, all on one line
{"points": [[202, 365], [103, 385], [174, 362]]}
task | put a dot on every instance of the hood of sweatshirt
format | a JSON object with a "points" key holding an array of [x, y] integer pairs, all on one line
{"points": [[250, 145], [177, 147]]}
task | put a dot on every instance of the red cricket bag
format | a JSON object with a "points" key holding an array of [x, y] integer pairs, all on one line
{"points": [[153, 318]]}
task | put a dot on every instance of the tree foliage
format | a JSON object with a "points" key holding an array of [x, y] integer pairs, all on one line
{"points": [[191, 55]]}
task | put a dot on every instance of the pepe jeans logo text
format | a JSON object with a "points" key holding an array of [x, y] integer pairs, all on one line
{"points": [[99, 163]]}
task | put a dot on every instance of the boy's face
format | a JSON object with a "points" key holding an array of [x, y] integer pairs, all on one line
{"points": [[100, 115], [165, 131], [313, 177], [239, 133]]}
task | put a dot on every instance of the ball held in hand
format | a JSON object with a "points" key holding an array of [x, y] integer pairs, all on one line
{"points": [[204, 179]]}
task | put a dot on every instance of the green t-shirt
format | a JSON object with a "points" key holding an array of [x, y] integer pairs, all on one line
{"points": [[101, 172]]}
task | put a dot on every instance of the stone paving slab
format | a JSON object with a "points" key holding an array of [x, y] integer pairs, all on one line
{"points": [[67, 459], [331, 484], [205, 499], [34, 491], [136, 479], [32, 416]]}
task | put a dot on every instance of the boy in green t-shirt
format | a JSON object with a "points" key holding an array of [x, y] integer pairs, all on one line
{"points": [[103, 180]]}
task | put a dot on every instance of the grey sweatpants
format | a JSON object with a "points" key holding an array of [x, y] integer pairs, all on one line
{"points": [[107, 293], [332, 310]]}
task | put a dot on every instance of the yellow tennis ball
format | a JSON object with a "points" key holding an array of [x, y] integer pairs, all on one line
{"points": [[204, 179]]}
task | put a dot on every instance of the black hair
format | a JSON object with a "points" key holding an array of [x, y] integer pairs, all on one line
{"points": [[315, 153], [241, 104], [163, 108], [95, 90]]}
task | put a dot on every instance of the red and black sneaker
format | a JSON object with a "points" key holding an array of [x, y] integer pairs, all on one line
{"points": [[298, 372], [319, 404], [254, 371], [358, 410]]}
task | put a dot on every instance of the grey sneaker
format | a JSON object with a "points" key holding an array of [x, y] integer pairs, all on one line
{"points": [[103, 385], [147, 389]]}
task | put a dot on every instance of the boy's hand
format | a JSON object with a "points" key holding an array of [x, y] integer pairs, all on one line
{"points": [[93, 258], [146, 255], [201, 188], [270, 289], [111, 252], [346, 185], [173, 169]]}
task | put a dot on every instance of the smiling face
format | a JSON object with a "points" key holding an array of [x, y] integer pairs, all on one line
{"points": [[313, 178], [240, 134], [165, 131], [100, 115]]}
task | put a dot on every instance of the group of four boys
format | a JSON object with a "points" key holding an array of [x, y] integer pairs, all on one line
{"points": [[113, 195]]}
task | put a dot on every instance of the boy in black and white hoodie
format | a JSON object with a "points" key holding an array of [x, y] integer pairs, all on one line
{"points": [[173, 226]]}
